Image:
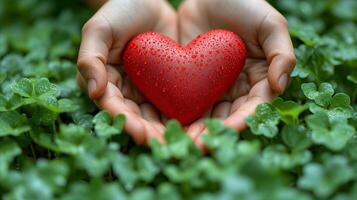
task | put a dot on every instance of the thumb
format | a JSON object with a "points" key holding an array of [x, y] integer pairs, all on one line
{"points": [[278, 48], [93, 53]]}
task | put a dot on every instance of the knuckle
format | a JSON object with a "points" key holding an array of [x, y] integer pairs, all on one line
{"points": [[94, 24], [86, 27], [290, 59], [277, 20], [83, 64], [283, 20], [87, 62], [280, 19]]}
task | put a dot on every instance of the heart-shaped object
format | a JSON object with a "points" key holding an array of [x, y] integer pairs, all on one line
{"points": [[184, 82]]}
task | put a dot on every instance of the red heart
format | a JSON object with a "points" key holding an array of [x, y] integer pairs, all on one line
{"points": [[184, 82]]}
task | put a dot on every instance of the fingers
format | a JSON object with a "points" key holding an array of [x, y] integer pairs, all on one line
{"points": [[114, 76], [279, 71], [240, 87], [277, 46], [143, 122], [93, 53], [151, 115], [257, 70], [196, 128], [246, 105], [221, 110], [237, 119], [149, 112], [238, 103], [104, 36], [140, 129], [195, 131], [153, 132], [114, 104], [131, 92], [199, 143], [132, 106], [153, 126]]}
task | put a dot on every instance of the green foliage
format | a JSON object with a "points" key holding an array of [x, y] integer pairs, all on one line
{"points": [[333, 135], [265, 121], [323, 179], [55, 143], [322, 96]]}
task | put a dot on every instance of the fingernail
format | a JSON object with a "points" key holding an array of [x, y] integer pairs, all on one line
{"points": [[92, 84], [283, 82]]}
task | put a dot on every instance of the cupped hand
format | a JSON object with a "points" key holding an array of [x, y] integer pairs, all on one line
{"points": [[270, 57], [103, 38]]}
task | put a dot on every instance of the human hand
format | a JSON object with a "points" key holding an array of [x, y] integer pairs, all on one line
{"points": [[270, 54], [103, 38]]}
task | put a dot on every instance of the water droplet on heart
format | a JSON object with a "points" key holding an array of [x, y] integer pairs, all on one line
{"points": [[163, 90], [194, 56], [138, 73], [156, 84]]}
